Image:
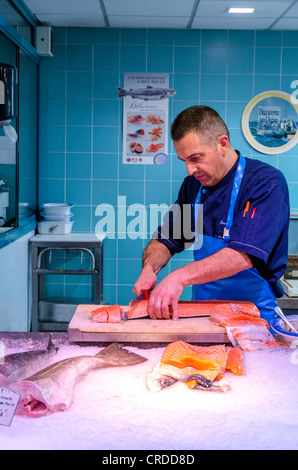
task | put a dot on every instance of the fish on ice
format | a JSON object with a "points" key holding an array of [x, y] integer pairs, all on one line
{"points": [[244, 331], [148, 93], [51, 389], [18, 366], [201, 367]]}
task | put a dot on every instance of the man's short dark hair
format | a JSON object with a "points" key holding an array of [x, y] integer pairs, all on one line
{"points": [[201, 119]]}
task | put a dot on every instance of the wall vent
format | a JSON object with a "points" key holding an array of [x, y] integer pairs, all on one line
{"points": [[44, 41]]}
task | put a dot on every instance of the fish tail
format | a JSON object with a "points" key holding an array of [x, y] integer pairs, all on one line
{"points": [[50, 344], [121, 92]]}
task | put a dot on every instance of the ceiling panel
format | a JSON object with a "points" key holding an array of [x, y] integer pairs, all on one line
{"points": [[244, 3], [152, 8], [67, 12], [73, 20], [287, 24], [293, 11], [232, 23], [148, 22], [64, 7], [210, 14], [220, 8]]}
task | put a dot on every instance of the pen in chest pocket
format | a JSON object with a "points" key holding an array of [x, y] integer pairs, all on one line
{"points": [[246, 208], [253, 213]]}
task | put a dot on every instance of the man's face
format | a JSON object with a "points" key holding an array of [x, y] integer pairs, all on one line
{"points": [[206, 162]]}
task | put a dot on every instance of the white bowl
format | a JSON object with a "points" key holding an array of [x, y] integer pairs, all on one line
{"points": [[55, 228], [282, 329], [56, 208]]}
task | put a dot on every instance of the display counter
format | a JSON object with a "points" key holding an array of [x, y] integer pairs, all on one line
{"points": [[113, 408], [288, 303]]}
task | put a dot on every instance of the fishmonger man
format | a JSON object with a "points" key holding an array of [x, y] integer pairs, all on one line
{"points": [[242, 251]]}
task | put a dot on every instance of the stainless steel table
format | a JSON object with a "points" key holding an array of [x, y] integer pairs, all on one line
{"points": [[55, 316]]}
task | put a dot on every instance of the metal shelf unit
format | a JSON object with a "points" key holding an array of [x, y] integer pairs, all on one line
{"points": [[55, 315]]}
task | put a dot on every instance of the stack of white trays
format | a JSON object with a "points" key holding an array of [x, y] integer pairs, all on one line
{"points": [[56, 218]]}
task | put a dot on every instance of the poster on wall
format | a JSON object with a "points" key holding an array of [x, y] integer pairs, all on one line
{"points": [[145, 118], [270, 122]]}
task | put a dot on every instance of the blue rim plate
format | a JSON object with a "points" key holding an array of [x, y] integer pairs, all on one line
{"points": [[277, 324]]}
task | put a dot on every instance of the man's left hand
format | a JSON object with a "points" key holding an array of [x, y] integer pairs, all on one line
{"points": [[165, 296]]}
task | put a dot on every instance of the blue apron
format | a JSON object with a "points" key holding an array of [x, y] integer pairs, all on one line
{"points": [[246, 285]]}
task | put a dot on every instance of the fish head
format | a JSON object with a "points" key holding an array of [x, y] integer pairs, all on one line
{"points": [[32, 403]]}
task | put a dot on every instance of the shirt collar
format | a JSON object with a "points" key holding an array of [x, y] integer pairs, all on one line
{"points": [[228, 177]]}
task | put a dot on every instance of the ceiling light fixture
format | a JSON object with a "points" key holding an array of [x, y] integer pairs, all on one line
{"points": [[241, 10]]}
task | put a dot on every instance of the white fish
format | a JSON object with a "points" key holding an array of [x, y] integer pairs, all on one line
{"points": [[18, 366], [51, 389]]}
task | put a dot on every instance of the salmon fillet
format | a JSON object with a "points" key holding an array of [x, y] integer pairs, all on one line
{"points": [[181, 354], [100, 315], [243, 330], [201, 367], [197, 309], [139, 310], [107, 314], [189, 359], [252, 337], [235, 362], [229, 318]]}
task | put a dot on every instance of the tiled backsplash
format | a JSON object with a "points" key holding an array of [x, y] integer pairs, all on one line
{"points": [[81, 120]]}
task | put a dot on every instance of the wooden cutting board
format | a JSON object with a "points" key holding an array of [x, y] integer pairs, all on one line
{"points": [[197, 329]]}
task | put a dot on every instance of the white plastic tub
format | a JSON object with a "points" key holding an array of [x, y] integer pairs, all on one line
{"points": [[56, 218], [55, 228], [56, 208]]}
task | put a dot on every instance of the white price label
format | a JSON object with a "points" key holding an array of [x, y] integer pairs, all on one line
{"points": [[8, 404]]}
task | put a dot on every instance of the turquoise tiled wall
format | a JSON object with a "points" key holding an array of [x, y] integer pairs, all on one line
{"points": [[81, 121]]}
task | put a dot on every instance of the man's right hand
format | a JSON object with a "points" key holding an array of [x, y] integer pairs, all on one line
{"points": [[146, 281]]}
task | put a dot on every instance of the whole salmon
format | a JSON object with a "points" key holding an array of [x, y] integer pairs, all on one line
{"points": [[51, 389], [18, 366]]}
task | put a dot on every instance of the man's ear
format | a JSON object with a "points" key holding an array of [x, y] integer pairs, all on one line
{"points": [[223, 144]]}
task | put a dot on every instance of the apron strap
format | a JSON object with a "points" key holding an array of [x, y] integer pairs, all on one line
{"points": [[198, 211], [234, 195]]}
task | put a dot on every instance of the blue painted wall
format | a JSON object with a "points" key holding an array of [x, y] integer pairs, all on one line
{"points": [[81, 122]]}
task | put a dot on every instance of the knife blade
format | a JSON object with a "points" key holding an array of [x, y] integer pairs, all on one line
{"points": [[145, 294]]}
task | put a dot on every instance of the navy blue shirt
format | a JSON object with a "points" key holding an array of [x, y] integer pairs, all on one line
{"points": [[264, 237]]}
